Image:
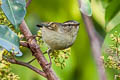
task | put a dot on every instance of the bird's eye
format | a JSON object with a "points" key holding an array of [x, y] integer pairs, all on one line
{"points": [[53, 25]]}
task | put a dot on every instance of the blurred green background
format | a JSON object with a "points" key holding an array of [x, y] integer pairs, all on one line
{"points": [[81, 64]]}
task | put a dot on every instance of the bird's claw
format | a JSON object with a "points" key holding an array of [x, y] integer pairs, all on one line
{"points": [[49, 65]]}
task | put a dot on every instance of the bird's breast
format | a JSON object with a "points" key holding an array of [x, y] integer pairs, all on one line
{"points": [[55, 40]]}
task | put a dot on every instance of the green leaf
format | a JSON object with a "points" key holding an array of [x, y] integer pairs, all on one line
{"points": [[85, 7], [108, 39], [111, 11], [9, 40], [15, 11], [111, 52], [105, 3]]}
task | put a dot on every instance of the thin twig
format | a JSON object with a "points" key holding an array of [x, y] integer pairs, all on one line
{"points": [[31, 60], [13, 61], [95, 45]]}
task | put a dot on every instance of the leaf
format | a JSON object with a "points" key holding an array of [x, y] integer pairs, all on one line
{"points": [[9, 40], [111, 11], [15, 11], [111, 52], [109, 40], [105, 3], [85, 7]]}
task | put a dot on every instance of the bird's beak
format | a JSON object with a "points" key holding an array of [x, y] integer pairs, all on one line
{"points": [[42, 24]]}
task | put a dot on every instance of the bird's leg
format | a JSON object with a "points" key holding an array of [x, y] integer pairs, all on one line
{"points": [[49, 51]]}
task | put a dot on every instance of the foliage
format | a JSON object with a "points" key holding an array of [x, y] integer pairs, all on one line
{"points": [[7, 29], [4, 21], [5, 70], [112, 52], [111, 43], [111, 10], [80, 61], [5, 41], [9, 22], [111, 49], [13, 7]]}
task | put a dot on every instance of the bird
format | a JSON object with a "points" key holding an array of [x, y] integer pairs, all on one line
{"points": [[59, 36]]}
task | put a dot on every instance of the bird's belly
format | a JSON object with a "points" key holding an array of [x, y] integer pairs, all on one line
{"points": [[57, 41]]}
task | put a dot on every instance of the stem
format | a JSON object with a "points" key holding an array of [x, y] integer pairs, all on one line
{"points": [[95, 45], [27, 65]]}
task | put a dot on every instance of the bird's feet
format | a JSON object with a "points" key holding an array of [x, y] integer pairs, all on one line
{"points": [[49, 64]]}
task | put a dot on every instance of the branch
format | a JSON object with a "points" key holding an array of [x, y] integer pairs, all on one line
{"points": [[37, 52], [24, 44], [27, 65], [35, 49], [95, 44]]}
